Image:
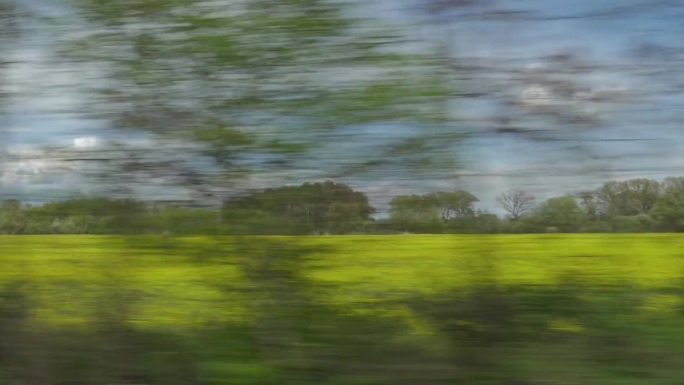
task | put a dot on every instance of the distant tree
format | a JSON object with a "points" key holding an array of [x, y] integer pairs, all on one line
{"points": [[92, 215], [430, 212], [669, 210], [179, 221], [630, 197], [591, 203], [479, 223], [639, 223], [342, 218], [488, 223], [320, 207], [451, 205], [672, 184], [12, 217], [562, 213], [516, 202], [415, 213]]}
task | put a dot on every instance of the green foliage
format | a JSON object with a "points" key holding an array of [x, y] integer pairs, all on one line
{"points": [[180, 221], [632, 224], [562, 213], [335, 208], [478, 223], [457, 204], [415, 213], [12, 217], [90, 216], [630, 197], [670, 210], [321, 207], [255, 78], [430, 212]]}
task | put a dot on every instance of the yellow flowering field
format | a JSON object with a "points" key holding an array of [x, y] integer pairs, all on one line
{"points": [[196, 279]]}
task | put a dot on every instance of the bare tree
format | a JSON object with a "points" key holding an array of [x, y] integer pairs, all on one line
{"points": [[516, 202]]}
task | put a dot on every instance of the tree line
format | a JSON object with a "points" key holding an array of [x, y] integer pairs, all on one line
{"points": [[635, 205]]}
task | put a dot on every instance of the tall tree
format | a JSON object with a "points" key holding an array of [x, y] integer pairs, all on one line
{"points": [[257, 85]]}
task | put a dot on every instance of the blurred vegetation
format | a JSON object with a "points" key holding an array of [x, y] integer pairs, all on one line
{"points": [[225, 288], [630, 206], [256, 86], [342, 310]]}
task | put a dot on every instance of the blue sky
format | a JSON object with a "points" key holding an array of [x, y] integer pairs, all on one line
{"points": [[491, 163]]}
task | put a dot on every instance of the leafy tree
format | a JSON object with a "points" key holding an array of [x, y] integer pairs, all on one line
{"points": [[12, 217], [669, 210], [415, 213], [591, 204], [343, 218], [630, 197], [180, 221], [255, 85], [562, 213], [451, 205], [487, 223], [322, 207], [423, 213], [631, 224], [479, 223], [672, 184], [92, 215]]}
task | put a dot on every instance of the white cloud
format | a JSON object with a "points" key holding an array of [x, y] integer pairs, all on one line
{"points": [[86, 142]]}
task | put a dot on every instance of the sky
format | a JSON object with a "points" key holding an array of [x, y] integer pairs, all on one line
{"points": [[489, 165]]}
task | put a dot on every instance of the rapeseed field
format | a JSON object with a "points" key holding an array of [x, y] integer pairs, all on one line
{"points": [[189, 280]]}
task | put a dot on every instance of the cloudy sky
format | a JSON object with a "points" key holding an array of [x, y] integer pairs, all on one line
{"points": [[637, 136]]}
